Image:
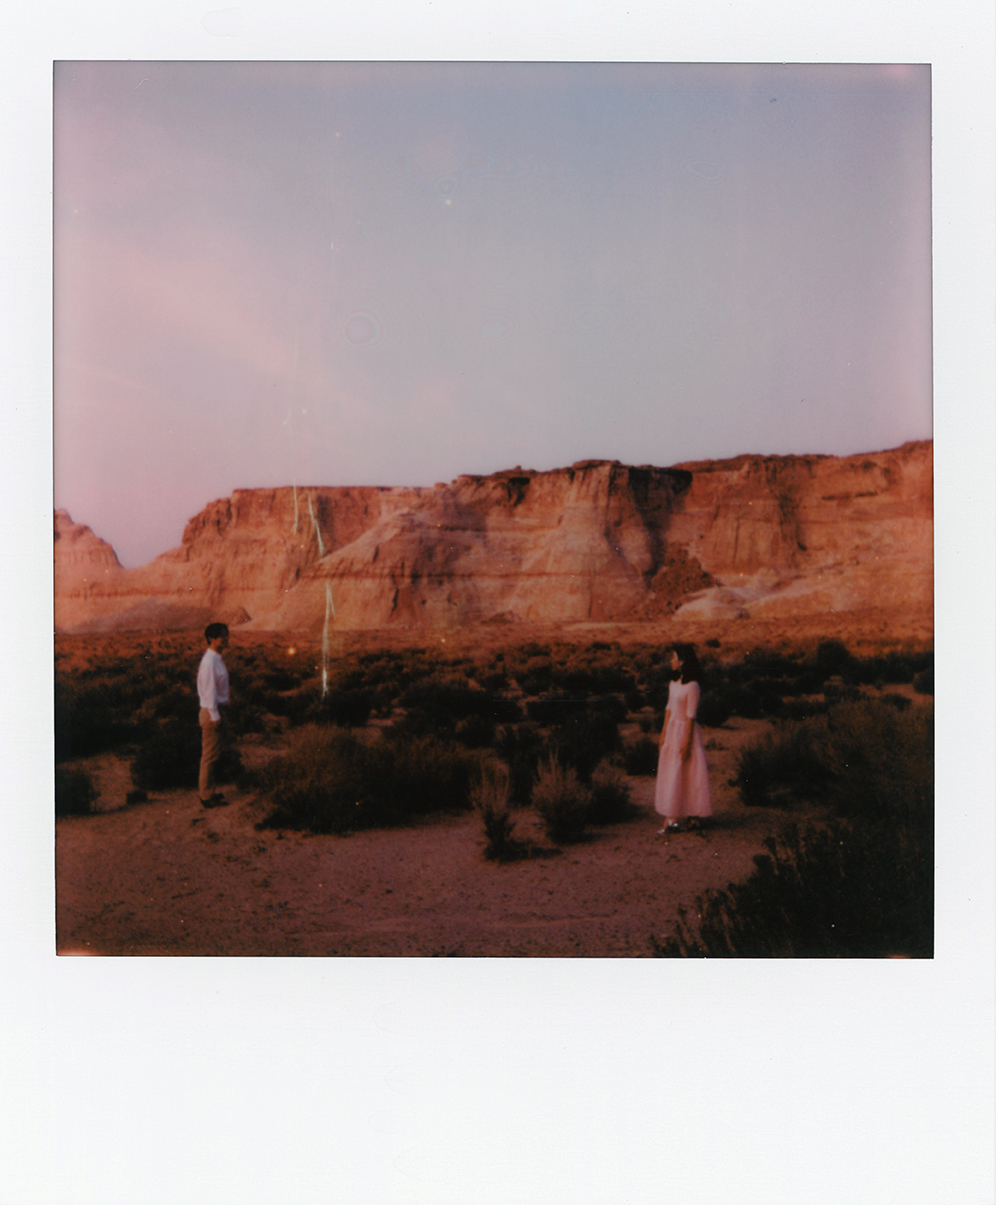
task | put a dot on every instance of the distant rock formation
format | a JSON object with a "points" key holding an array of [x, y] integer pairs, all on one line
{"points": [[599, 541]]}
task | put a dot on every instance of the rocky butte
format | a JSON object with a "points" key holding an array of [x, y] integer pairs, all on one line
{"points": [[756, 536]]}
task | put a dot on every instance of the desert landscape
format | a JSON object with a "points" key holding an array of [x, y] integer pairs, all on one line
{"points": [[492, 630]]}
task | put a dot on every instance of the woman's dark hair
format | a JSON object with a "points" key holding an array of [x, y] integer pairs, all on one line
{"points": [[691, 671]]}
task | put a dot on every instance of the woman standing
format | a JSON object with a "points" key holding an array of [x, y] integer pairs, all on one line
{"points": [[682, 775]]}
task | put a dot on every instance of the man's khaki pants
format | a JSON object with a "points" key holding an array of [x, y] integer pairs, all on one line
{"points": [[210, 752]]}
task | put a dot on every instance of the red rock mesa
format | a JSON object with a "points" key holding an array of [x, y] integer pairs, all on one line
{"points": [[764, 536]]}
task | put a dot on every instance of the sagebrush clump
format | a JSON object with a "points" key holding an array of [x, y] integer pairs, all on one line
{"points": [[846, 891], [610, 796], [561, 801], [862, 759], [75, 793], [491, 796], [172, 756], [331, 781], [859, 886]]}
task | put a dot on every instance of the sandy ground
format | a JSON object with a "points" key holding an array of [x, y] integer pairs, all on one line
{"points": [[168, 877]]}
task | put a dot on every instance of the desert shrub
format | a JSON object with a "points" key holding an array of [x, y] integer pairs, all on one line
{"points": [[900, 702], [592, 677], [803, 709], [785, 767], [92, 718], [882, 762], [610, 797], [833, 658], [282, 679], [246, 717], [350, 708], [845, 891], [923, 683], [490, 796], [172, 757], [714, 709], [561, 802], [582, 741], [419, 722], [838, 691], [535, 675], [734, 698], [863, 759], [521, 748], [75, 793], [612, 706], [768, 663], [457, 701], [658, 683], [476, 732], [641, 758], [891, 668], [330, 781], [176, 701], [555, 708]]}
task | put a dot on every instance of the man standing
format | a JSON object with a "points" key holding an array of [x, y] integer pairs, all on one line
{"points": [[212, 691]]}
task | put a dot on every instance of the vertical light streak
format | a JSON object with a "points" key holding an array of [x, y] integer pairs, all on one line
{"points": [[318, 534], [329, 613]]}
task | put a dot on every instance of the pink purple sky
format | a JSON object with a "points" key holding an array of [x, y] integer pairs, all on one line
{"points": [[338, 274]]}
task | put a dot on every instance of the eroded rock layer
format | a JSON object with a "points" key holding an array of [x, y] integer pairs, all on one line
{"points": [[596, 542]]}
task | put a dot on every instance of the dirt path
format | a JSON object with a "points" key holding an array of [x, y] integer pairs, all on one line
{"points": [[168, 877]]}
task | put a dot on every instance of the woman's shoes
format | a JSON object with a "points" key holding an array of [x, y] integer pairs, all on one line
{"points": [[669, 828]]}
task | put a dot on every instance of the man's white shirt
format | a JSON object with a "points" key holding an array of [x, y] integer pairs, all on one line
{"points": [[212, 683]]}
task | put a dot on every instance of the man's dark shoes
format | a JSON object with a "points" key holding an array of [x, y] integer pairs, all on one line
{"points": [[216, 801]]}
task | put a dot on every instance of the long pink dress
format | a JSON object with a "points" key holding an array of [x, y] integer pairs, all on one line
{"points": [[682, 786]]}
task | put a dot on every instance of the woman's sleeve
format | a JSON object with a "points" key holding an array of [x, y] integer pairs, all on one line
{"points": [[693, 700]]}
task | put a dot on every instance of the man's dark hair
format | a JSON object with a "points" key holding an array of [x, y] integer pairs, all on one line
{"points": [[214, 630]]}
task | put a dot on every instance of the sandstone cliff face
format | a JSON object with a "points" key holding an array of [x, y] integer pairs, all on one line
{"points": [[598, 541]]}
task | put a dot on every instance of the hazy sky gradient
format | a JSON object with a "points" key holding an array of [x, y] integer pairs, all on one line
{"points": [[391, 274]]}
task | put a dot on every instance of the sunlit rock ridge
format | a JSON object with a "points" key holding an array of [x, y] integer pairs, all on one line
{"points": [[763, 536]]}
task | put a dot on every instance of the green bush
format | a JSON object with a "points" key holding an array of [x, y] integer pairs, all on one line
{"points": [[476, 732], [458, 701], [803, 709], [610, 797], [833, 658], [581, 742], [592, 677], [92, 717], [641, 758], [350, 708], [332, 782], [75, 794], [846, 891], [521, 747], [714, 709], [785, 767], [491, 797], [172, 757], [923, 683], [561, 802], [863, 759]]}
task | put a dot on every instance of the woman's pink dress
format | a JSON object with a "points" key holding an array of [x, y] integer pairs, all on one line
{"points": [[682, 786]]}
